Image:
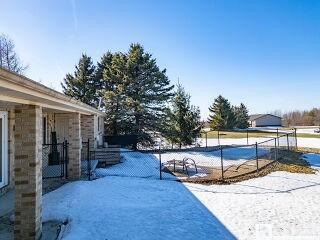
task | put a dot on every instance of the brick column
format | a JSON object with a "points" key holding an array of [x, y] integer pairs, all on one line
{"points": [[11, 146], [28, 173], [88, 129], [75, 143]]}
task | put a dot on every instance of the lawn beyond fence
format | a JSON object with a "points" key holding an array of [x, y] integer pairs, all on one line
{"points": [[207, 137]]}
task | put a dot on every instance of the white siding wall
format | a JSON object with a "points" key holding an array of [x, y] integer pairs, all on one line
{"points": [[267, 120]]}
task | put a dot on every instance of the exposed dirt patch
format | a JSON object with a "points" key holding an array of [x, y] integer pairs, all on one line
{"points": [[308, 150]]}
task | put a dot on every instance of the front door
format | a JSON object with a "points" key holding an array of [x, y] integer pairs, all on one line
{"points": [[62, 127], [3, 149]]}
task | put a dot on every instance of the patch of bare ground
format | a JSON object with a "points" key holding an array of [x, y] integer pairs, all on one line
{"points": [[308, 150]]}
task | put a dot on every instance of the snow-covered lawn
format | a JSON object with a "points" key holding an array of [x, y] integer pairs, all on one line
{"points": [[309, 130], [283, 205], [229, 141], [131, 208], [134, 164], [309, 142], [231, 156]]}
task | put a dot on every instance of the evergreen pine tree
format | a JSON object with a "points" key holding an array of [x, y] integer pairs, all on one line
{"points": [[221, 116], [113, 90], [183, 119], [241, 116], [147, 91], [135, 93], [105, 62], [82, 84]]}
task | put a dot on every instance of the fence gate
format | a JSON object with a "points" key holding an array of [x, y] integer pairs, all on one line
{"points": [[55, 160]]}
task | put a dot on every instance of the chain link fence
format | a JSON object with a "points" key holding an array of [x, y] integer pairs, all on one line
{"points": [[141, 164], [226, 161], [198, 163]]}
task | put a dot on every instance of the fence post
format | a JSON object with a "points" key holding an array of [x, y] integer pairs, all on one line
{"points": [[66, 157], [257, 158], [88, 159], [247, 137], [63, 161], [160, 166], [206, 139], [288, 141], [275, 149], [218, 137], [221, 159], [296, 139]]}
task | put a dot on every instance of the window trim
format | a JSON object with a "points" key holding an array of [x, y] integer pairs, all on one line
{"points": [[5, 174]]}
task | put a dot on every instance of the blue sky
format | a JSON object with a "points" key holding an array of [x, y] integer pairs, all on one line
{"points": [[265, 53]]}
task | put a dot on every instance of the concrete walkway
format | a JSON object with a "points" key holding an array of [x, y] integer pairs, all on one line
{"points": [[50, 229]]}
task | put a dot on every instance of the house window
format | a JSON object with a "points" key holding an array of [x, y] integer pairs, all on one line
{"points": [[44, 130]]}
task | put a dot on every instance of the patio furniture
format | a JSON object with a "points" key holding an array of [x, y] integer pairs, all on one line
{"points": [[185, 163]]}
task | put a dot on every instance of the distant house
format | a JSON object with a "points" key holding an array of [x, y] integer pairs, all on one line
{"points": [[264, 120]]}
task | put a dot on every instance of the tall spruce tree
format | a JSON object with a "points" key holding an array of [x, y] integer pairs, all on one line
{"points": [[113, 90], [147, 90], [221, 116], [135, 93], [241, 116], [105, 62], [82, 84], [183, 119]]}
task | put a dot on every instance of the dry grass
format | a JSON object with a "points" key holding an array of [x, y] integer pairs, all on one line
{"points": [[308, 150], [238, 134], [293, 162], [253, 134]]}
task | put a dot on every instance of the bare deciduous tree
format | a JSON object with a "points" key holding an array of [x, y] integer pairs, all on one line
{"points": [[302, 118], [8, 57]]}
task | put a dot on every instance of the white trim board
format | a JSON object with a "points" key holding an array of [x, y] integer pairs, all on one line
{"points": [[4, 152]]}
